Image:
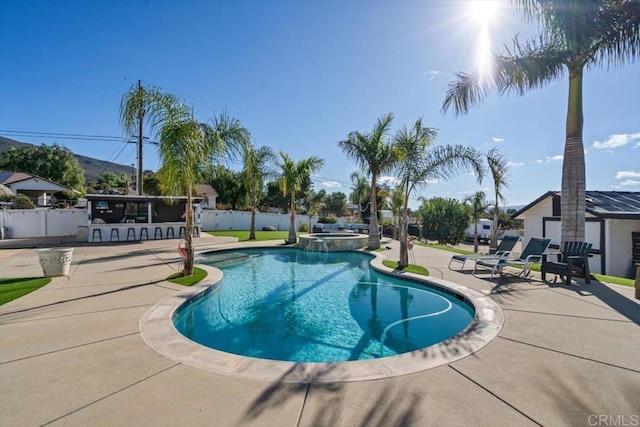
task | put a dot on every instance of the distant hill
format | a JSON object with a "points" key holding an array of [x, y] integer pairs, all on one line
{"points": [[93, 168]]}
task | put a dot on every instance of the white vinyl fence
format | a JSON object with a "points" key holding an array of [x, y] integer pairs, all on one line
{"points": [[45, 222], [215, 220]]}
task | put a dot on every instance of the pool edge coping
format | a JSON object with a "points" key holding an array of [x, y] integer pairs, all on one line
{"points": [[158, 331]]}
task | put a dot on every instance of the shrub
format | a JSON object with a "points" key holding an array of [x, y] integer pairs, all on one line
{"points": [[23, 202], [328, 219], [444, 220], [303, 227], [269, 228]]}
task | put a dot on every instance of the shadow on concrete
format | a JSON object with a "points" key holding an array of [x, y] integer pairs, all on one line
{"points": [[616, 301], [390, 406], [99, 294]]}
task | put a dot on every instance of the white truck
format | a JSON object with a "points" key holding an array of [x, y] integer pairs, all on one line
{"points": [[485, 227]]}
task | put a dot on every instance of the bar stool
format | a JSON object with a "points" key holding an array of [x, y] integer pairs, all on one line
{"points": [[196, 231], [170, 231], [115, 232], [131, 232], [181, 232], [158, 231], [99, 234], [145, 232]]}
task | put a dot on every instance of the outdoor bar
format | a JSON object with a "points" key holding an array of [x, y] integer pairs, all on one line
{"points": [[120, 218]]}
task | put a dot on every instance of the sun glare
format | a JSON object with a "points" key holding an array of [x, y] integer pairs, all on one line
{"points": [[484, 11]]}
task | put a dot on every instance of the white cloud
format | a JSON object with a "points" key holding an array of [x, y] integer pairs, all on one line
{"points": [[627, 174], [432, 73], [617, 187], [539, 161], [330, 184], [629, 183], [637, 145], [617, 140], [390, 180], [556, 158], [496, 139], [514, 164]]}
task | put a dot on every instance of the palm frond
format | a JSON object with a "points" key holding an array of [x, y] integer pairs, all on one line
{"points": [[499, 172]]}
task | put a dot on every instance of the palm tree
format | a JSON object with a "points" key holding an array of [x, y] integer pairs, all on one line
{"points": [[420, 165], [478, 203], [576, 35], [290, 181], [186, 147], [147, 106], [375, 155], [397, 203], [257, 167], [360, 192], [498, 168], [315, 203]]}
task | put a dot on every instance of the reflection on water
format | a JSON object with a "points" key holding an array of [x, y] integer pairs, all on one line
{"points": [[312, 306]]}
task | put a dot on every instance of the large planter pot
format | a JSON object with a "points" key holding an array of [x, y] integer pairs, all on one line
{"points": [[55, 261]]}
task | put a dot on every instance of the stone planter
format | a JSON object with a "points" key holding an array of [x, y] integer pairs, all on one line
{"points": [[55, 261]]}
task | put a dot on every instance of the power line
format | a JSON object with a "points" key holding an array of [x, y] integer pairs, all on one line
{"points": [[77, 136]]}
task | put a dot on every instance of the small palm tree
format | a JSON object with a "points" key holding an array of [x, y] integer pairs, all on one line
{"points": [[258, 166], [498, 168], [576, 35], [375, 155], [418, 165], [148, 106], [315, 203], [290, 181], [397, 203], [186, 147], [478, 203], [360, 192]]}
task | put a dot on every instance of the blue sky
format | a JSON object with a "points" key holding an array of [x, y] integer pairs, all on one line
{"points": [[300, 76]]}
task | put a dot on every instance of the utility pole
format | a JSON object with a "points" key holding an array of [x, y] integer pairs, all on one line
{"points": [[141, 113]]}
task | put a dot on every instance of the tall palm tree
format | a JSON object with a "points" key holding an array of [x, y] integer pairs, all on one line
{"points": [[478, 203], [258, 166], [418, 165], [148, 106], [186, 147], [498, 169], [375, 155], [576, 35], [291, 178], [397, 203]]}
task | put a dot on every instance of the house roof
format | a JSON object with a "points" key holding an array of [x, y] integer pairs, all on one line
{"points": [[9, 178], [602, 204], [206, 190]]}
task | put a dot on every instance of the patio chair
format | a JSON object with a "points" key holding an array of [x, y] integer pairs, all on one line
{"points": [[532, 253], [574, 257], [502, 251]]}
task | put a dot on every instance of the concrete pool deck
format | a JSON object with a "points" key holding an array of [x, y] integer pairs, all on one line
{"points": [[71, 353]]}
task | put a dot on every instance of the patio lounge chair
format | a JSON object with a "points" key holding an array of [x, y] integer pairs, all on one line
{"points": [[502, 251], [574, 257], [532, 253]]}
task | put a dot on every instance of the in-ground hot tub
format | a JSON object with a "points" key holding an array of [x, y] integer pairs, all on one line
{"points": [[332, 242]]}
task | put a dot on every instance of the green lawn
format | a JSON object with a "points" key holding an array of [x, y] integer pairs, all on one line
{"points": [[599, 277], [11, 289], [411, 268], [180, 279], [445, 248], [243, 235]]}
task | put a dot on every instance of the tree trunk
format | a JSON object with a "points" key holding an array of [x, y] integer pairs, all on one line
{"points": [[573, 197], [494, 230], [404, 233], [475, 237], [252, 232], [188, 238], [292, 238], [374, 238]]}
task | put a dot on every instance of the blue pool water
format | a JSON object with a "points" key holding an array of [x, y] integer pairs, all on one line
{"points": [[288, 304]]}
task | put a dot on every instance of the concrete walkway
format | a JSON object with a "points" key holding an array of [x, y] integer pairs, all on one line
{"points": [[71, 353]]}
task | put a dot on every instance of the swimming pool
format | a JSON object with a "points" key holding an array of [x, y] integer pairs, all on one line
{"points": [[300, 306]]}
